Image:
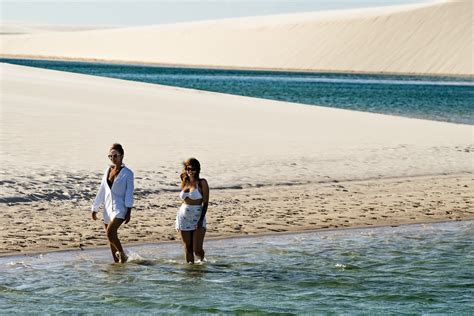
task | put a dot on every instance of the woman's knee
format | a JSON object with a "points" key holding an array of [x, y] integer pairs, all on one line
{"points": [[113, 227], [111, 233]]}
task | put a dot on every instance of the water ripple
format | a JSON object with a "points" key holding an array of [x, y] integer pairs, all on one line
{"points": [[409, 269]]}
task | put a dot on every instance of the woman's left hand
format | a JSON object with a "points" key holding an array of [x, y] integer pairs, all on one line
{"points": [[128, 216], [200, 223]]}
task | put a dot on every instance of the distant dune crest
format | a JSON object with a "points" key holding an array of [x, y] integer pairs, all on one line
{"points": [[433, 38]]}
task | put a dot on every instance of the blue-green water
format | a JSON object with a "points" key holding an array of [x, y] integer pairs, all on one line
{"points": [[435, 98], [416, 269]]}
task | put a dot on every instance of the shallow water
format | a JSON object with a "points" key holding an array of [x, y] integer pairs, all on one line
{"points": [[447, 99], [410, 269]]}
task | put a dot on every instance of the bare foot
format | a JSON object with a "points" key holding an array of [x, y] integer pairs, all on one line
{"points": [[120, 258]]}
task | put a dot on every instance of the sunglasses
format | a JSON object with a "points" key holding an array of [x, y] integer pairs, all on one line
{"points": [[190, 168], [114, 156]]}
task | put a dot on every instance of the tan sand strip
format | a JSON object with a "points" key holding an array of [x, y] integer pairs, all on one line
{"points": [[42, 226]]}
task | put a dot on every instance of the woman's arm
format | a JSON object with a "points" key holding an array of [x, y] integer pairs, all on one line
{"points": [[129, 196], [128, 216], [99, 199], [129, 190], [205, 201]]}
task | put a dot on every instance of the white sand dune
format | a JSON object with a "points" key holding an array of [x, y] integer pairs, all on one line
{"points": [[12, 28], [434, 38], [286, 166], [66, 121]]}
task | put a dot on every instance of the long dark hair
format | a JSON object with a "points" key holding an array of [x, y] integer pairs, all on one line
{"points": [[193, 162]]}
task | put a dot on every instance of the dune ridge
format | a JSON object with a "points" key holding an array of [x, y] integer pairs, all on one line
{"points": [[433, 38], [272, 166]]}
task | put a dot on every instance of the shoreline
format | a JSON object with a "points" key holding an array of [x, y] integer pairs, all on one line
{"points": [[250, 212], [263, 234], [265, 141], [229, 68]]}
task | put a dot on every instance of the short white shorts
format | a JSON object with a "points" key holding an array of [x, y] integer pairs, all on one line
{"points": [[188, 217]]}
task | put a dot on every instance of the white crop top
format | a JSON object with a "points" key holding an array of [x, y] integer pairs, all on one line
{"points": [[193, 195]]}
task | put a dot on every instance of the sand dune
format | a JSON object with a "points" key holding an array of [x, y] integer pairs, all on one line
{"points": [[433, 38], [66, 120], [272, 166], [12, 28]]}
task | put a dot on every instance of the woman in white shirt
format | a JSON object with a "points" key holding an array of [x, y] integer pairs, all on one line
{"points": [[116, 194], [191, 216]]}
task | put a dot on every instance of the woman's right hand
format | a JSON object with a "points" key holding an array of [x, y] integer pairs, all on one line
{"points": [[94, 215]]}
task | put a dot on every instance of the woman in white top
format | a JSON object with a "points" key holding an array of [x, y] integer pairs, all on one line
{"points": [[116, 193], [191, 216]]}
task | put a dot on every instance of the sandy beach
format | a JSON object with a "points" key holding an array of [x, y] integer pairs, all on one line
{"points": [[59, 225], [428, 38], [272, 166]]}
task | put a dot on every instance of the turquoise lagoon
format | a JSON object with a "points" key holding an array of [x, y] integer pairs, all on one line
{"points": [[448, 99], [414, 269]]}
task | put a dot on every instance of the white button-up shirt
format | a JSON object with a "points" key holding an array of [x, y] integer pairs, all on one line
{"points": [[117, 199]]}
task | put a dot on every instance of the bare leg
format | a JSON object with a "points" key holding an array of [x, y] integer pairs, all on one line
{"points": [[198, 241], [112, 247], [114, 242], [187, 237]]}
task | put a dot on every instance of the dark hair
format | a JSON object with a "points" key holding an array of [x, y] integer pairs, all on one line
{"points": [[118, 148], [193, 162]]}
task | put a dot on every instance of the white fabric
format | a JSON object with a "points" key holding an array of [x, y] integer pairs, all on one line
{"points": [[115, 200], [193, 195], [188, 217]]}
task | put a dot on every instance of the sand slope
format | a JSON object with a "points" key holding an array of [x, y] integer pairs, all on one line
{"points": [[11, 28], [434, 38], [67, 121], [272, 166]]}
